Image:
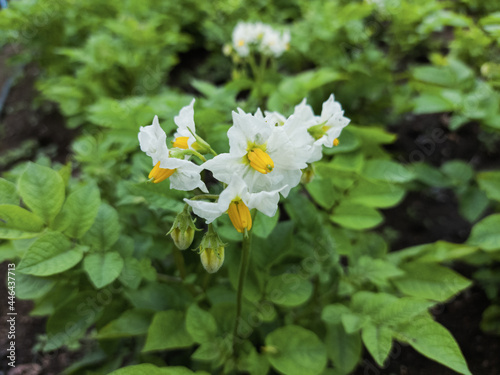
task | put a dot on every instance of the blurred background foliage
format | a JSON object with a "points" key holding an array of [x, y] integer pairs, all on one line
{"points": [[419, 80]]}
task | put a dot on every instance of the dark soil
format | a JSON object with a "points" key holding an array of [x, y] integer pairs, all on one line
{"points": [[421, 218], [25, 130]]}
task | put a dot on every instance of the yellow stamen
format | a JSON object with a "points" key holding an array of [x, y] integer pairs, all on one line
{"points": [[240, 215], [159, 174], [181, 142], [260, 160], [241, 43], [336, 142]]}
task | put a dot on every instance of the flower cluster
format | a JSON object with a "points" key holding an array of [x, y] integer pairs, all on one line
{"points": [[267, 153], [262, 37]]}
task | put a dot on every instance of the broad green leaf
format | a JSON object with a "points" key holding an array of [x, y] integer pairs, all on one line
{"points": [[42, 189], [131, 275], [323, 192], [50, 254], [16, 222], [442, 251], [288, 289], [294, 350], [348, 162], [149, 369], [491, 320], [342, 348], [131, 323], [458, 171], [373, 194], [103, 268], [490, 183], [387, 170], [263, 225], [80, 210], [486, 233], [200, 324], [274, 247], [167, 331], [348, 142], [430, 175], [8, 193], [377, 271], [105, 230], [370, 134], [430, 281], [32, 287], [253, 362], [208, 351], [378, 341], [71, 320], [332, 314], [156, 296], [472, 203], [356, 216], [435, 342]]}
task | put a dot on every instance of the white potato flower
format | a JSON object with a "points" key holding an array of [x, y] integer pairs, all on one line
{"points": [[183, 174], [237, 201], [261, 153], [186, 127], [260, 36]]}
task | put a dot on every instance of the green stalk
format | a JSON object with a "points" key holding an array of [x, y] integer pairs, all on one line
{"points": [[245, 256]]}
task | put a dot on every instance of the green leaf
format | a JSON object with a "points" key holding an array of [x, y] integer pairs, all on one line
{"points": [[149, 369], [103, 268], [294, 350], [442, 251], [71, 320], [42, 190], [472, 203], [167, 331], [378, 341], [105, 230], [387, 170], [370, 134], [373, 194], [458, 171], [323, 192], [263, 225], [430, 175], [342, 348], [486, 233], [490, 183], [200, 324], [131, 275], [430, 281], [16, 222], [32, 287], [348, 162], [80, 210], [377, 271], [288, 289], [355, 216], [274, 247], [50, 254], [332, 314], [131, 323], [435, 342], [348, 142], [8, 193]]}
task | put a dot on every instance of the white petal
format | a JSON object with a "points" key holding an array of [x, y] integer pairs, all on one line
{"points": [[265, 201], [152, 140], [247, 128], [207, 210], [187, 175], [185, 122], [223, 166]]}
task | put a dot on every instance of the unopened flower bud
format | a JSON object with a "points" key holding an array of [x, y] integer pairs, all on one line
{"points": [[307, 174], [182, 231], [211, 251]]}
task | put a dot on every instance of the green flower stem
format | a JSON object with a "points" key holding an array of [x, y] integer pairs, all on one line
{"points": [[245, 257], [179, 262]]}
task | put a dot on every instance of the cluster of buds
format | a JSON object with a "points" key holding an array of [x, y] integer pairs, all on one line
{"points": [[268, 154]]}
